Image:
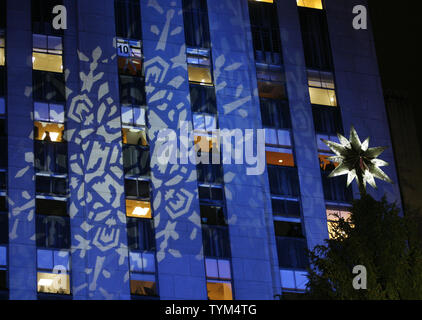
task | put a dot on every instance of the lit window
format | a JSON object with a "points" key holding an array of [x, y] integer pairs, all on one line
{"points": [[134, 136], [199, 66], [47, 53], [2, 52], [280, 158], [269, 1], [129, 57], [271, 83], [49, 112], [293, 280], [321, 88], [334, 214], [316, 4], [53, 271], [138, 209], [142, 273], [219, 277], [49, 131]]}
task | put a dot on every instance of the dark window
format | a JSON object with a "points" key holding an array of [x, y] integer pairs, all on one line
{"points": [[140, 234], [335, 189], [265, 32], [128, 19], [50, 157], [203, 99], [195, 17], [210, 173], [2, 82], [3, 152], [51, 186], [2, 14], [211, 194], [286, 208], [327, 120], [51, 207], [132, 90], [292, 253], [288, 229], [136, 161], [215, 233], [4, 222], [212, 215], [48, 86], [137, 189], [315, 37], [284, 181], [275, 113], [42, 16]]}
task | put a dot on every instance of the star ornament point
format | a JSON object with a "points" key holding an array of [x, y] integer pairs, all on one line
{"points": [[356, 160]]}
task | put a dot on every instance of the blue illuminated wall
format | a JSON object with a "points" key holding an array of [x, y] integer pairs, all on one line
{"points": [[97, 208]]}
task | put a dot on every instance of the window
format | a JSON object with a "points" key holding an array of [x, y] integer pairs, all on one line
{"points": [[316, 42], [138, 189], [142, 274], [50, 157], [211, 193], [51, 185], [134, 136], [285, 208], [47, 53], [327, 120], [275, 113], [132, 90], [334, 214], [52, 224], [321, 88], [315, 4], [199, 66], [293, 280], [136, 160], [335, 189], [141, 235], [215, 234], [265, 32], [138, 209], [284, 181], [291, 245], [4, 221], [204, 126], [129, 57], [42, 16], [219, 286], [203, 99], [3, 268], [128, 19], [210, 173], [271, 83], [195, 18], [2, 50], [53, 271], [133, 116], [48, 86], [49, 112]]}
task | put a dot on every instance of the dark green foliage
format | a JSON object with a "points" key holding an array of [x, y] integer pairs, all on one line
{"points": [[378, 238]]}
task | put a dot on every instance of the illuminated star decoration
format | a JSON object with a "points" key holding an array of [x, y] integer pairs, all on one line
{"points": [[357, 160]]}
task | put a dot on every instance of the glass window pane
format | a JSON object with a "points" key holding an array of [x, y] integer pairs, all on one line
{"points": [[301, 280], [324, 97], [39, 41], [41, 111], [57, 113], [53, 283], [135, 259], [61, 260], [315, 4], [139, 116], [219, 290], [55, 43], [284, 138], [224, 269], [287, 279], [210, 123], [199, 74], [138, 209], [127, 115], [271, 136], [211, 268], [148, 262], [45, 259], [3, 256], [2, 106], [198, 122]]}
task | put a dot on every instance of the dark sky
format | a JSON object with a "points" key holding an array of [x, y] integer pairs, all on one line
{"points": [[397, 29]]}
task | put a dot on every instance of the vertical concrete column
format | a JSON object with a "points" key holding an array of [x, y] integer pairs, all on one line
{"points": [[359, 89], [100, 268], [21, 193], [175, 190], [247, 196], [306, 153]]}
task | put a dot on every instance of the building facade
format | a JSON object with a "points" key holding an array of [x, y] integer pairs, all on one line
{"points": [[88, 209]]}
